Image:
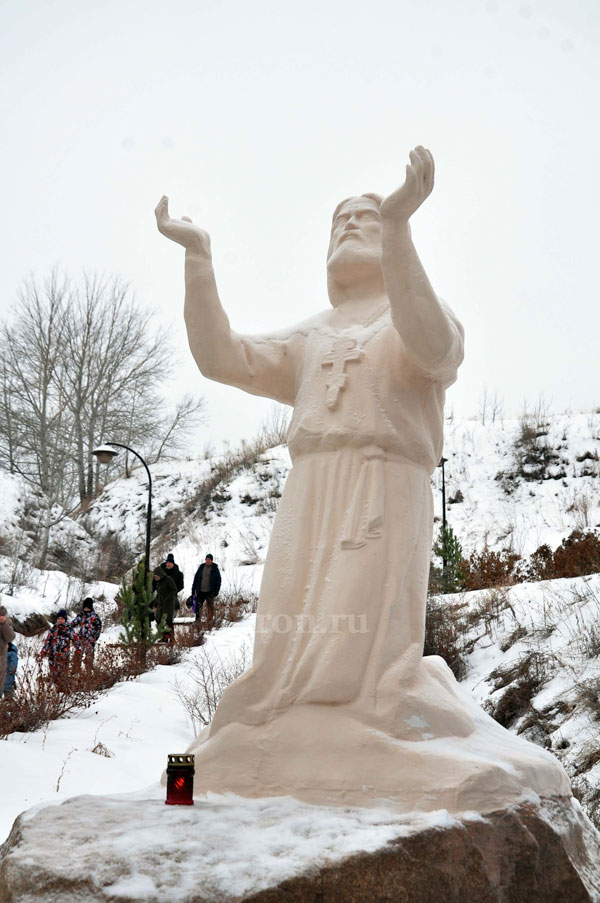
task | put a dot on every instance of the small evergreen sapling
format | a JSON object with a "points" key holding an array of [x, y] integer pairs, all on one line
{"points": [[137, 626], [449, 578]]}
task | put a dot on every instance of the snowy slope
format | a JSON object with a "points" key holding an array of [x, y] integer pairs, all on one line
{"points": [[532, 653], [44, 592], [234, 524], [500, 508], [538, 641], [481, 464], [139, 722], [489, 500]]}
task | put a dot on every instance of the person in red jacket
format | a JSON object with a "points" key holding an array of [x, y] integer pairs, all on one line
{"points": [[57, 647], [88, 626]]}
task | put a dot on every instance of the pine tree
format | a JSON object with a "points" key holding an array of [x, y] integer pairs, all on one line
{"points": [[137, 626], [449, 578]]}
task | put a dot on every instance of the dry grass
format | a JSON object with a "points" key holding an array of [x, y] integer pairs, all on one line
{"points": [[210, 675], [443, 635], [37, 700], [522, 680]]}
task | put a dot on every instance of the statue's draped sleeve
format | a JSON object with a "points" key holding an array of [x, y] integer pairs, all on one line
{"points": [[267, 365], [445, 371]]}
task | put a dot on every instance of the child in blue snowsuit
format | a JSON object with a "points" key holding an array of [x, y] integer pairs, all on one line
{"points": [[12, 663]]}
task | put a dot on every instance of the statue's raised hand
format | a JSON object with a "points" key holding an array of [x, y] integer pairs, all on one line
{"points": [[183, 230], [402, 203]]}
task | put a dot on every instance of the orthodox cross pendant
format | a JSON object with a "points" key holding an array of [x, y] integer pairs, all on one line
{"points": [[342, 352]]}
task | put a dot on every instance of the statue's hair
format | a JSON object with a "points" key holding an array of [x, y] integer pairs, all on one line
{"points": [[373, 197]]}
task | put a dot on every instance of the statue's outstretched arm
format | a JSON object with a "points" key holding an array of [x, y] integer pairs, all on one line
{"points": [[258, 366], [209, 332], [426, 331]]}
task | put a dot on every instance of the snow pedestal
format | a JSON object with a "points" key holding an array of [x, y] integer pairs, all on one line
{"points": [[92, 849]]}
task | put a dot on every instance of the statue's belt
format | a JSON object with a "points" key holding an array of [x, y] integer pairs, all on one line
{"points": [[364, 520]]}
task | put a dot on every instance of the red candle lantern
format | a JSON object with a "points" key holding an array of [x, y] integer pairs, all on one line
{"points": [[180, 780]]}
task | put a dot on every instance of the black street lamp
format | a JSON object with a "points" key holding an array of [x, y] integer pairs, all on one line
{"points": [[441, 464], [105, 454]]}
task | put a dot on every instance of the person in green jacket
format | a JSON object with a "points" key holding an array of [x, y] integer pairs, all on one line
{"points": [[164, 601]]}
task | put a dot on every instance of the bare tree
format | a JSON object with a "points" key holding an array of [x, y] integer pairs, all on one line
{"points": [[115, 368], [496, 407], [207, 679], [189, 413], [484, 404], [7, 419], [82, 365], [36, 427]]}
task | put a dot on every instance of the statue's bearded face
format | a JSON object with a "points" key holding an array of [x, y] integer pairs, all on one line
{"points": [[355, 237]]}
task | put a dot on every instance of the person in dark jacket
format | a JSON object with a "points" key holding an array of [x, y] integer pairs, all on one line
{"points": [[164, 601], [12, 663], [206, 586], [57, 646], [89, 626], [172, 569]]}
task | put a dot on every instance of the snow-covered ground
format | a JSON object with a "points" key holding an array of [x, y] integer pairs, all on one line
{"points": [[139, 722], [552, 625]]}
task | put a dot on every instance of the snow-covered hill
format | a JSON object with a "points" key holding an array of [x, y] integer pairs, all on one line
{"points": [[195, 512], [532, 659], [530, 652], [524, 482], [510, 484]]}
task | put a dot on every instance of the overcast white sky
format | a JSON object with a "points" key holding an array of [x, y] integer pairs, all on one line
{"points": [[257, 118]]}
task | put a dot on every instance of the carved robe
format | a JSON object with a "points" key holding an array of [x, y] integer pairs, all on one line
{"points": [[339, 705], [342, 602]]}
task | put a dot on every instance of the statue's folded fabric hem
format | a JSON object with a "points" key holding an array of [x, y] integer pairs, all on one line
{"points": [[329, 755]]}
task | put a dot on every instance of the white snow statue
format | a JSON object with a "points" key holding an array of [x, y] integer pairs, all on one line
{"points": [[340, 706]]}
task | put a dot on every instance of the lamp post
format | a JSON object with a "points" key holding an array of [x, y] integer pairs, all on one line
{"points": [[441, 464], [105, 454]]}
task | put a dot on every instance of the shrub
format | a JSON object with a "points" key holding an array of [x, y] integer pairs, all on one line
{"points": [[165, 654], [189, 635], [442, 635], [36, 700], [577, 555], [210, 676], [523, 681], [482, 570], [232, 606]]}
